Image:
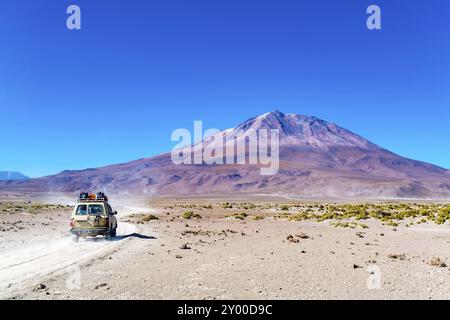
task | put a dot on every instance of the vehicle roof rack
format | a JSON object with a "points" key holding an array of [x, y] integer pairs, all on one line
{"points": [[92, 200], [90, 197]]}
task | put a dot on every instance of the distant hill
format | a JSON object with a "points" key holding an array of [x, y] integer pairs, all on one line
{"points": [[12, 175], [317, 159]]}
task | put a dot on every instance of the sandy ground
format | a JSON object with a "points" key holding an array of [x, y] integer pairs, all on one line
{"points": [[217, 256]]}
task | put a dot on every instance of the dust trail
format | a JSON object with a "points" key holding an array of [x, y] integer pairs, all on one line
{"points": [[38, 259]]}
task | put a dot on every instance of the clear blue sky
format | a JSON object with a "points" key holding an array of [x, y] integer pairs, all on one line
{"points": [[142, 68]]}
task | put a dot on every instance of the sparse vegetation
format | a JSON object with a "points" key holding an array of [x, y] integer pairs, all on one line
{"points": [[191, 215], [389, 214], [239, 216], [347, 224], [29, 207], [227, 205], [393, 214]]}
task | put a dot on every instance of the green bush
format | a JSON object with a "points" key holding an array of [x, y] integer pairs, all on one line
{"points": [[191, 215], [239, 216]]}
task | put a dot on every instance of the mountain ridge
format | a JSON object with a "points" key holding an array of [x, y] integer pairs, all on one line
{"points": [[12, 175], [317, 159]]}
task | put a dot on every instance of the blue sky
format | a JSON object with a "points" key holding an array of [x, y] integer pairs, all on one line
{"points": [[139, 69]]}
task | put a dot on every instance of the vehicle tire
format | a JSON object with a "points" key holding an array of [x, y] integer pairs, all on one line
{"points": [[76, 238], [113, 232]]}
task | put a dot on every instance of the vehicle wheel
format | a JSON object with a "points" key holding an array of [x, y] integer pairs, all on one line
{"points": [[113, 232], [76, 238]]}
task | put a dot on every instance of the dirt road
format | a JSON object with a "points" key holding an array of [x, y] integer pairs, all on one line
{"points": [[34, 258]]}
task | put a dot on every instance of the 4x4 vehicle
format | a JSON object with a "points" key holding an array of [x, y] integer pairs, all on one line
{"points": [[93, 216]]}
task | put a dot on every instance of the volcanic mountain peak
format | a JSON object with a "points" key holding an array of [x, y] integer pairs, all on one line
{"points": [[317, 159], [307, 131]]}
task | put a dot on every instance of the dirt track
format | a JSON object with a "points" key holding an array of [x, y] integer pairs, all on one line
{"points": [[45, 257], [47, 248]]}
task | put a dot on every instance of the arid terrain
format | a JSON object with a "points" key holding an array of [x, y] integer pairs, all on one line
{"points": [[227, 248]]}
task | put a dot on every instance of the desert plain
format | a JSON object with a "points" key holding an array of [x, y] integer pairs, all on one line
{"points": [[229, 247]]}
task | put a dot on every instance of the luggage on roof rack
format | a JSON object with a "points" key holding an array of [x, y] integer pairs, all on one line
{"points": [[84, 195], [100, 196]]}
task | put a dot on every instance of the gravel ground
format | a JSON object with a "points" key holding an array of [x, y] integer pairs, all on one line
{"points": [[158, 254]]}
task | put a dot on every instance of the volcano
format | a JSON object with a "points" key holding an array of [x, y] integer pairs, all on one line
{"points": [[12, 175], [318, 159]]}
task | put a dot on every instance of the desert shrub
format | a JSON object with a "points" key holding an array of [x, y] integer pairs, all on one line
{"points": [[191, 215], [257, 218], [391, 223], [227, 205], [443, 215], [239, 216], [348, 224]]}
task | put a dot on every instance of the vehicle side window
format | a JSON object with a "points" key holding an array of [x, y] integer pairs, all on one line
{"points": [[109, 209], [82, 209], [95, 209]]}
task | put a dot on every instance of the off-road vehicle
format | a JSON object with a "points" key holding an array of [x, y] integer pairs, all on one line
{"points": [[93, 216]]}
